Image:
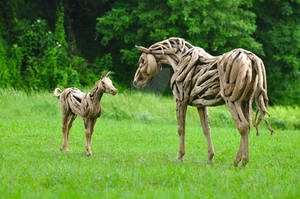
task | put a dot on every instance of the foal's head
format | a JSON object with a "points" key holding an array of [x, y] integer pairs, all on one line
{"points": [[148, 67], [106, 84]]}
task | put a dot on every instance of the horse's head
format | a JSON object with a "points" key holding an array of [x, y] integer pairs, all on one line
{"points": [[148, 67]]}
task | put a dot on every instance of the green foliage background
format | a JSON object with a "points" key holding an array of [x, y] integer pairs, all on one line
{"points": [[68, 43]]}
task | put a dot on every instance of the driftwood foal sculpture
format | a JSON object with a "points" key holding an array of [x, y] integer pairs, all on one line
{"points": [[73, 102], [236, 78]]}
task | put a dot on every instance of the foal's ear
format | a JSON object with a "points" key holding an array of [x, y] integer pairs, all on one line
{"points": [[108, 74], [103, 75], [142, 49]]}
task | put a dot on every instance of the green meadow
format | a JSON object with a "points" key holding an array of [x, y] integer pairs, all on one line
{"points": [[134, 146]]}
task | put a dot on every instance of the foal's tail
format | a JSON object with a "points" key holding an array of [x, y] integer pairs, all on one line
{"points": [[57, 92]]}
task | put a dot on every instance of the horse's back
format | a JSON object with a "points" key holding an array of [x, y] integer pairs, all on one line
{"points": [[238, 75]]}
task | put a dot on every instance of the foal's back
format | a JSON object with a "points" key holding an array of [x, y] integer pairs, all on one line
{"points": [[71, 99]]}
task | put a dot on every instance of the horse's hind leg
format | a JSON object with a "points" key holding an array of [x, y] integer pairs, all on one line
{"points": [[246, 112], [241, 118], [203, 113]]}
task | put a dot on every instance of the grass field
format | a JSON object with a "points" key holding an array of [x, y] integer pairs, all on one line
{"points": [[134, 145]]}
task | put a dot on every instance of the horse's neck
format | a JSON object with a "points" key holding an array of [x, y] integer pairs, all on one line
{"points": [[165, 59], [170, 51], [174, 59], [169, 59]]}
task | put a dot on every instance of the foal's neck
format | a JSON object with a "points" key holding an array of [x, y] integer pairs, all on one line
{"points": [[98, 97], [96, 94]]}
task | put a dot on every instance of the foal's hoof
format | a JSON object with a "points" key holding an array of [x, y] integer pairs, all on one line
{"points": [[178, 159], [210, 157], [65, 150], [89, 154], [209, 161]]}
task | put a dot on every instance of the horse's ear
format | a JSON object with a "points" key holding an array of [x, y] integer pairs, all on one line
{"points": [[108, 74], [142, 49], [103, 75]]}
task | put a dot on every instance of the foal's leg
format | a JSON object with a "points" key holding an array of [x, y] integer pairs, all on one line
{"points": [[181, 113], [89, 128], [243, 127], [93, 122], [64, 146], [203, 113], [67, 120], [70, 122]]}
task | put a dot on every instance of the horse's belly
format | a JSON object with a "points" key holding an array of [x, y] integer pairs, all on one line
{"points": [[206, 90]]}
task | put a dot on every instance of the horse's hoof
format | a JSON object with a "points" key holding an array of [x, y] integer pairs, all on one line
{"points": [[235, 163], [89, 154], [244, 163], [178, 159], [209, 161]]}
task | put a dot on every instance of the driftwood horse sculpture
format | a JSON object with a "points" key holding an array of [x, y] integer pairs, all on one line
{"points": [[236, 78], [73, 102]]}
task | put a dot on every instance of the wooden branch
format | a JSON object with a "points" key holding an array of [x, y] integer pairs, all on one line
{"points": [[204, 102]]}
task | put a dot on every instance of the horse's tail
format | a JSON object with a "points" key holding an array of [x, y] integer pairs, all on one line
{"points": [[57, 93], [260, 94], [243, 78]]}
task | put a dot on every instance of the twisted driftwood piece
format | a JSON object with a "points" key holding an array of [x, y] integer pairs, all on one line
{"points": [[73, 102], [236, 78]]}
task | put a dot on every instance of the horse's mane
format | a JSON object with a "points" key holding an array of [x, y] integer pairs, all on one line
{"points": [[171, 46], [180, 48]]}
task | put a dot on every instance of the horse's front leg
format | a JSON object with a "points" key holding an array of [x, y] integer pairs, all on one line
{"points": [[203, 113], [181, 114]]}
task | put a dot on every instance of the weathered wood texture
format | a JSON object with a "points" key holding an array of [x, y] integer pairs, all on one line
{"points": [[74, 102], [236, 78]]}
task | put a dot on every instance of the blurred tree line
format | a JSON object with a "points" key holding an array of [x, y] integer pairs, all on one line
{"points": [[49, 43]]}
